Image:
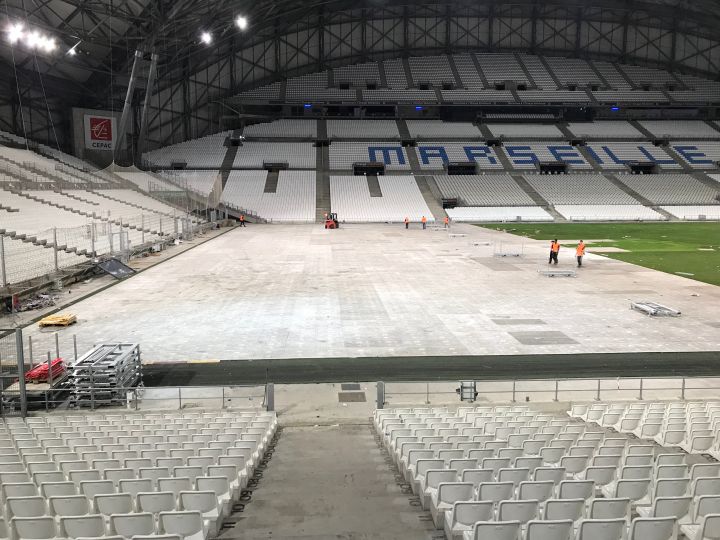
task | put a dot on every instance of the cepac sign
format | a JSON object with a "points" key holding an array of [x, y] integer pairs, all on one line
{"points": [[99, 132]]}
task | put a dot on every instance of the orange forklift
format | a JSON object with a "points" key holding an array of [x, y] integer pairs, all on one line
{"points": [[331, 221]]}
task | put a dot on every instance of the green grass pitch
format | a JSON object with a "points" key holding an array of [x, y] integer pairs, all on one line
{"points": [[676, 248]]}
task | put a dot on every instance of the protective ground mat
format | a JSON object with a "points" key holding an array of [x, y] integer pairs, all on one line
{"points": [[543, 338], [351, 397]]}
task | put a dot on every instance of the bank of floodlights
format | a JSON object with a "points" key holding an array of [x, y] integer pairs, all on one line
{"points": [[30, 38]]}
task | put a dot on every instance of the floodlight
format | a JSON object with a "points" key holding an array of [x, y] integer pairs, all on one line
{"points": [[206, 38], [241, 22], [15, 33]]}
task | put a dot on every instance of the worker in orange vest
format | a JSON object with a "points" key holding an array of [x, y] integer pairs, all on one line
{"points": [[424, 222], [446, 220], [407, 223], [242, 220], [554, 250], [580, 252]]}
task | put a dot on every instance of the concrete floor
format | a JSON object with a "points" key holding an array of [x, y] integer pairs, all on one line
{"points": [[275, 291], [329, 483]]}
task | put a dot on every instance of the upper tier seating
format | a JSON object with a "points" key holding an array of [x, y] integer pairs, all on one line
{"points": [[605, 129], [679, 129], [612, 75], [431, 69], [357, 74], [395, 74], [147, 181], [201, 182], [362, 129], [469, 76], [483, 190], [500, 67], [437, 129], [35, 167], [526, 155], [698, 154], [344, 154], [432, 155], [672, 189], [293, 200], [525, 131], [252, 154], [282, 129], [351, 199], [572, 71], [578, 189], [616, 155], [538, 72], [475, 85], [204, 152], [128, 475], [481, 468], [642, 75]]}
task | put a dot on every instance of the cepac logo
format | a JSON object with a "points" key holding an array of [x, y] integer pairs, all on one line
{"points": [[101, 129]]}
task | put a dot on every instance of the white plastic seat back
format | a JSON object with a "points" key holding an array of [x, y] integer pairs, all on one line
{"points": [[653, 529], [24, 507], [540, 491], [676, 507], [495, 491], [186, 524], [117, 503], [135, 486], [82, 526], [74, 505], [130, 525], [496, 530], [156, 502], [469, 512], [576, 489], [562, 509], [36, 528], [709, 528], [549, 530], [602, 529], [610, 509], [518, 510]]}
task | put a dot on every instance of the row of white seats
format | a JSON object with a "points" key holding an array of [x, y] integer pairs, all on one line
{"points": [[632, 481]]}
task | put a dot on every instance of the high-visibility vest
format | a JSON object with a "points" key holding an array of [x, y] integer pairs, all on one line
{"points": [[555, 246], [424, 219], [446, 221], [580, 251]]}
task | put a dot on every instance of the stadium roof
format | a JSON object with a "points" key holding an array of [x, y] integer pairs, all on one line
{"points": [[105, 33]]}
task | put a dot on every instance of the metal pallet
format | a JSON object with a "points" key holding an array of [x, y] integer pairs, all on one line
{"points": [[654, 310], [558, 273]]}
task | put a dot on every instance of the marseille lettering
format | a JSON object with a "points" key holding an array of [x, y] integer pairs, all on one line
{"points": [[527, 155]]}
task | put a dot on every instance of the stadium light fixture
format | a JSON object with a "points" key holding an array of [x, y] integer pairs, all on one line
{"points": [[241, 22], [32, 39], [15, 33], [206, 38]]}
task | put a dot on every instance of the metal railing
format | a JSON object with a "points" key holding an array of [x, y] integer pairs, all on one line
{"points": [[553, 390]]}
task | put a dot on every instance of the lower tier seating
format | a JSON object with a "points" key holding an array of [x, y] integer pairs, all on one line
{"points": [[127, 475], [512, 472]]}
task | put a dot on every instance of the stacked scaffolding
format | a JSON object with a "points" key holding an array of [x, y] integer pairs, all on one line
{"points": [[105, 375]]}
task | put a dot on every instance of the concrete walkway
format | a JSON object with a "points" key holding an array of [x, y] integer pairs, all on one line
{"points": [[329, 482]]}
